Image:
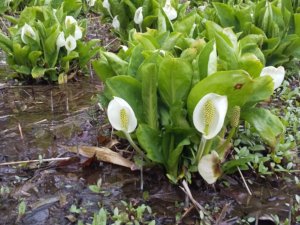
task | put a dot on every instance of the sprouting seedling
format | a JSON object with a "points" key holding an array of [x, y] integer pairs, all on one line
{"points": [[122, 118], [138, 17]]}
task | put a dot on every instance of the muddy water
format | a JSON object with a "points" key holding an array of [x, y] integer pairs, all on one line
{"points": [[35, 121]]}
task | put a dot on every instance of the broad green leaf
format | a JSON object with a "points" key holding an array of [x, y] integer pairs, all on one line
{"points": [[148, 42], [34, 56], [102, 69], [20, 53], [136, 59], [297, 23], [226, 15], [38, 72], [174, 80], [263, 88], [250, 63], [171, 41], [149, 93], [21, 69], [130, 89], [237, 85], [72, 7], [5, 43], [72, 55], [174, 157], [203, 58], [185, 25], [150, 140], [118, 65], [265, 123]]}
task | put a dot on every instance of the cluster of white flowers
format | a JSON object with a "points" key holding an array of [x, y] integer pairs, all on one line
{"points": [[70, 42]]}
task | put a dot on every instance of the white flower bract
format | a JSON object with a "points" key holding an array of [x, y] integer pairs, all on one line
{"points": [[69, 21], [90, 2], [121, 116], [138, 16], [116, 23], [209, 167], [169, 10], [277, 74], [27, 30], [209, 114], [77, 33], [212, 61], [70, 43], [60, 41]]}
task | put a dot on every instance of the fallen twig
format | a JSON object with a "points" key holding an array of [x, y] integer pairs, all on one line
{"points": [[187, 191], [244, 181], [33, 161]]}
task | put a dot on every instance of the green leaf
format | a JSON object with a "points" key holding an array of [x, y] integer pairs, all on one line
{"points": [[237, 85], [38, 72], [100, 218], [265, 123], [203, 58], [185, 25], [21, 69], [150, 140], [135, 60], [250, 63], [34, 56], [263, 88], [130, 89], [226, 15], [174, 80], [149, 93], [232, 165], [174, 157], [102, 69], [118, 65], [5, 43]]}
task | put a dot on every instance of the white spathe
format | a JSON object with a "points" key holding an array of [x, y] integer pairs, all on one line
{"points": [[212, 61], [121, 116], [209, 167], [106, 5], [77, 33], [60, 41], [91, 2], [277, 74], [209, 114], [116, 23], [70, 43], [69, 21], [27, 30], [169, 10], [138, 16]]}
